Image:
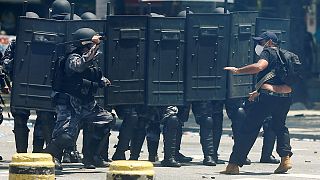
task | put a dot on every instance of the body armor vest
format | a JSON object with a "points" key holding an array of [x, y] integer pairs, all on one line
{"points": [[81, 85]]}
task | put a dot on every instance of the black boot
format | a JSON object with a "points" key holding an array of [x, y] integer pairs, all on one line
{"points": [[57, 164], [21, 137], [170, 133], [209, 161], [56, 152], [125, 134], [37, 145], [178, 156], [271, 159], [206, 140], [0, 158], [269, 138], [153, 150], [103, 150], [66, 157]]}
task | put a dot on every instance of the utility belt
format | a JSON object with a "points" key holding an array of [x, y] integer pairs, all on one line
{"points": [[271, 93]]}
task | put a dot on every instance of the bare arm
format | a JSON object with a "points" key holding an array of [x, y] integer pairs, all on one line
{"points": [[249, 69]]}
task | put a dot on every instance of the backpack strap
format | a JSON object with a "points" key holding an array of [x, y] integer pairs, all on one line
{"points": [[265, 78]]}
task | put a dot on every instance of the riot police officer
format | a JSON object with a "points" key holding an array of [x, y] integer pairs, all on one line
{"points": [[44, 122], [76, 80], [61, 10]]}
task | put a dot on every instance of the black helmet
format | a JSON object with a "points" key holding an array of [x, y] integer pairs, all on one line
{"points": [[88, 16], [60, 8], [83, 33], [75, 17], [184, 13], [32, 15], [219, 10]]}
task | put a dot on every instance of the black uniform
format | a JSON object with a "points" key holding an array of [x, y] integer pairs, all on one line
{"points": [[274, 105], [76, 82]]}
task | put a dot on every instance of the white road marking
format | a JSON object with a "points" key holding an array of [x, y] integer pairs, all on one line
{"points": [[304, 176]]}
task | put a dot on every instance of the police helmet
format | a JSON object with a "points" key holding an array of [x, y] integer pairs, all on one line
{"points": [[60, 8], [32, 15], [88, 16], [81, 34], [75, 17], [184, 13], [220, 10]]}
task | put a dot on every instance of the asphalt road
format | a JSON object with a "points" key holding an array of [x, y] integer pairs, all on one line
{"points": [[306, 160]]}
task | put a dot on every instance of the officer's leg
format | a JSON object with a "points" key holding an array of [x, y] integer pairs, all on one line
{"points": [[64, 133], [217, 116], [70, 153], [47, 124], [153, 137], [38, 140], [203, 116], [183, 115], [237, 115], [130, 120], [269, 139], [170, 127], [21, 130], [138, 139], [95, 136], [249, 130]]}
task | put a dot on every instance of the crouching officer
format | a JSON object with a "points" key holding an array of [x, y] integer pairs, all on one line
{"points": [[76, 80]]}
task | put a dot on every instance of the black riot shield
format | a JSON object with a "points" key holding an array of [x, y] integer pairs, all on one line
{"points": [[98, 26], [207, 38], [165, 59], [281, 27], [126, 58], [34, 59], [241, 52]]}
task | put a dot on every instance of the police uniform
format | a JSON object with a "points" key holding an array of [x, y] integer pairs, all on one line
{"points": [[76, 81]]}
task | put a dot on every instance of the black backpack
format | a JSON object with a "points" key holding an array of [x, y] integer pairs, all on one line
{"points": [[290, 68]]}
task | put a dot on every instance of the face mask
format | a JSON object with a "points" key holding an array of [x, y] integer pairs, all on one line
{"points": [[258, 49]]}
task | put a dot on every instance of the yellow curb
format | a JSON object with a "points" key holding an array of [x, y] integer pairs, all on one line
{"points": [[30, 166], [138, 170]]}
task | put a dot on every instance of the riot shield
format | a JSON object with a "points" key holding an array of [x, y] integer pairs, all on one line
{"points": [[126, 58], [98, 26], [207, 38], [281, 27], [241, 52], [34, 58], [165, 59]]}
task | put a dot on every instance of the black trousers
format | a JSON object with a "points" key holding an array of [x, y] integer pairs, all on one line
{"points": [[266, 105]]}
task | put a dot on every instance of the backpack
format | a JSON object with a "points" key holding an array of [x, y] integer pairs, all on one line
{"points": [[290, 69]]}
